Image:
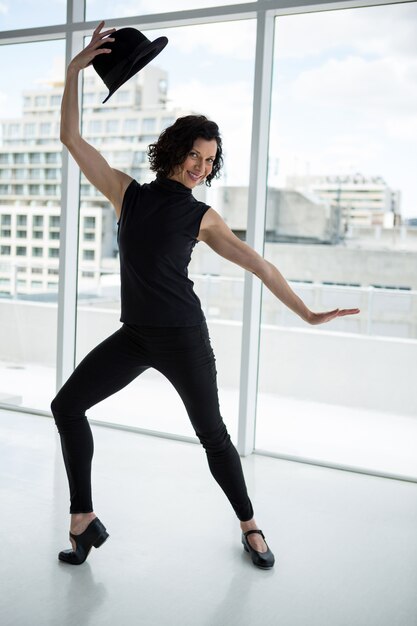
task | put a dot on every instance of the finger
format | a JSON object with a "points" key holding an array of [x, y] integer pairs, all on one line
{"points": [[96, 44], [98, 27], [349, 311]]}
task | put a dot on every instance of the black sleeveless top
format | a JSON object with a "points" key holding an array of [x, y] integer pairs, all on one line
{"points": [[157, 231]]}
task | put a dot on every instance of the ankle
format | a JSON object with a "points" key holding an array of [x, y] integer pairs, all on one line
{"points": [[81, 520], [249, 525]]}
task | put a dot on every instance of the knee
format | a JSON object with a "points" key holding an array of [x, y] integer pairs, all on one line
{"points": [[217, 441], [57, 410], [63, 410]]}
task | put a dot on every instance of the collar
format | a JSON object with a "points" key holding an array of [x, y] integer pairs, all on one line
{"points": [[173, 186]]}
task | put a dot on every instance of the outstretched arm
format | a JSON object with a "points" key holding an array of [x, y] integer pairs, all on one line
{"points": [[110, 182], [215, 232]]}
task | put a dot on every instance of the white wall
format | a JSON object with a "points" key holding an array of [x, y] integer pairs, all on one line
{"points": [[309, 364]]}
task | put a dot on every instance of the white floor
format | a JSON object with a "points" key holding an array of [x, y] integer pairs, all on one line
{"points": [[345, 544]]}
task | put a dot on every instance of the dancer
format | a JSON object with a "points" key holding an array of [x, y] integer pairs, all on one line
{"points": [[163, 325]]}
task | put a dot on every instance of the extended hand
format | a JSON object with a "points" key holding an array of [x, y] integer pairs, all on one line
{"points": [[86, 56], [320, 318]]}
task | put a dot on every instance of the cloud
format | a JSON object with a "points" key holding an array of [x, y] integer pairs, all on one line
{"points": [[372, 30], [378, 92], [235, 40]]}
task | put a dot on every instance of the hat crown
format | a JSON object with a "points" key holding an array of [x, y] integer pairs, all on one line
{"points": [[126, 41]]}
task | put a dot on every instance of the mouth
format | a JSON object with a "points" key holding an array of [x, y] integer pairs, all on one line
{"points": [[194, 177]]}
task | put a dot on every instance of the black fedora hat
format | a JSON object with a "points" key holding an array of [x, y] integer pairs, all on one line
{"points": [[130, 52]]}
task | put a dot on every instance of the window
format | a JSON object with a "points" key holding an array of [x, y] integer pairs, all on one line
{"points": [[52, 157], [45, 128], [21, 220], [54, 234], [53, 253], [37, 234], [21, 234], [37, 270], [38, 220], [5, 250], [88, 98], [122, 96], [36, 283], [37, 251], [56, 101], [6, 220], [4, 158], [89, 236], [149, 125], [30, 130], [53, 272], [21, 251], [112, 126], [54, 221], [19, 157], [94, 127], [40, 101], [88, 255], [131, 126], [89, 222], [35, 157], [34, 190], [14, 130], [6, 232]]}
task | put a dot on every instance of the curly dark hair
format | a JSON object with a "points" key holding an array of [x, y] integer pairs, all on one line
{"points": [[176, 141]]}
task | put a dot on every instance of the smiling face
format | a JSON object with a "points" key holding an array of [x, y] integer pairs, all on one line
{"points": [[198, 163]]}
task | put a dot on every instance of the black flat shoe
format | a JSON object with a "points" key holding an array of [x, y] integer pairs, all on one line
{"points": [[265, 560], [94, 535]]}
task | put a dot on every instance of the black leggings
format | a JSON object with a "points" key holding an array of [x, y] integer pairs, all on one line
{"points": [[185, 356]]}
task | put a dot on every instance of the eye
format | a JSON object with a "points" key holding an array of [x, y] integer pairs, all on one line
{"points": [[210, 160], [193, 154]]}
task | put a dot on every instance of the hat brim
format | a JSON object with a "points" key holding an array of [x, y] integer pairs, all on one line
{"points": [[140, 57]]}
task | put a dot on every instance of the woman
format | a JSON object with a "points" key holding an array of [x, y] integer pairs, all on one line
{"points": [[163, 324]]}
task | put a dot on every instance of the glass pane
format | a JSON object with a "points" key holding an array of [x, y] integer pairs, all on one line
{"points": [[28, 292], [341, 184], [104, 9], [165, 90], [29, 14]]}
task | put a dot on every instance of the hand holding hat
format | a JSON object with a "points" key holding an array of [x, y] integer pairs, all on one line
{"points": [[96, 47]]}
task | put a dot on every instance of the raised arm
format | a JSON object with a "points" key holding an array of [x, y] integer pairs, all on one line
{"points": [[110, 182], [215, 232]]}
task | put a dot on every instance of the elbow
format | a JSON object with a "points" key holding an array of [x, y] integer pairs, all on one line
{"points": [[260, 268]]}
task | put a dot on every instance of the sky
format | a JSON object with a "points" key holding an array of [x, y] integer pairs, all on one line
{"points": [[344, 86]]}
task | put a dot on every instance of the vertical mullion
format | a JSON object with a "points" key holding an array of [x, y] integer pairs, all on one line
{"points": [[68, 256], [252, 299]]}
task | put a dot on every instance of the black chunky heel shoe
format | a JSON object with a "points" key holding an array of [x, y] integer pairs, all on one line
{"points": [[94, 535], [265, 560]]}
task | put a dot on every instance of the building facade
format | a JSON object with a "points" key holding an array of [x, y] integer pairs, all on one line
{"points": [[30, 176]]}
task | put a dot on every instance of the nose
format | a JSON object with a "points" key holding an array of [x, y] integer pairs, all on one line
{"points": [[199, 166]]}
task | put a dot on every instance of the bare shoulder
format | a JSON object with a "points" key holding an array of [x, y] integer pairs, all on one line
{"points": [[210, 222]]}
